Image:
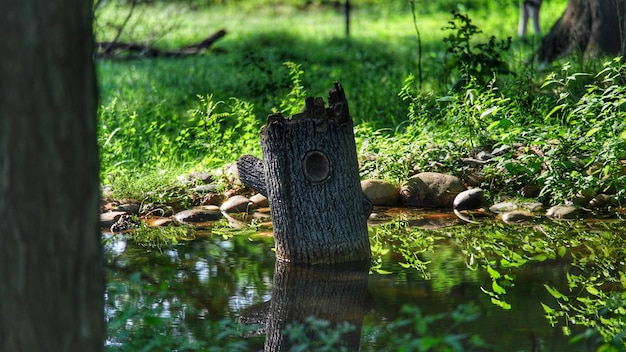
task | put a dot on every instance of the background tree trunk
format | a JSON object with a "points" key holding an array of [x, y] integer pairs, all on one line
{"points": [[51, 278], [590, 27]]}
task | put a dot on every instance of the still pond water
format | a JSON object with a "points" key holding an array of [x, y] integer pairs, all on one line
{"points": [[190, 296]]}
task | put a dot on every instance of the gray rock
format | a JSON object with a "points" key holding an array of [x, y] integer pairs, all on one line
{"points": [[125, 223], [431, 189], [566, 212], [203, 189], [470, 199], [509, 206], [198, 215], [517, 216], [109, 218], [153, 209], [483, 155], [260, 201], [601, 201], [128, 208], [205, 177], [503, 207], [232, 174], [380, 192], [236, 204], [584, 197]]}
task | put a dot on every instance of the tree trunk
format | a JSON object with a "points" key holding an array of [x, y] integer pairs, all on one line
{"points": [[52, 287], [589, 27], [336, 294], [310, 175]]}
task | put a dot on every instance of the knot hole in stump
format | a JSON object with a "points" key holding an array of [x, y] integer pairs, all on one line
{"points": [[316, 166]]}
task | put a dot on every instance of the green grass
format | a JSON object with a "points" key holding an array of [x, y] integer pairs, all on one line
{"points": [[202, 112]]}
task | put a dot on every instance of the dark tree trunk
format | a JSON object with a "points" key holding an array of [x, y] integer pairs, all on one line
{"points": [[336, 293], [310, 175], [51, 279], [588, 27]]}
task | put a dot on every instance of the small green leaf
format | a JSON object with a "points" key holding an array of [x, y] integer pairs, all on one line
{"points": [[592, 290], [556, 294], [592, 131], [383, 272], [497, 288], [500, 303], [547, 309], [493, 273]]}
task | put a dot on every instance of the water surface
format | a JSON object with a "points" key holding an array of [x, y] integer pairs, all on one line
{"points": [[188, 289]]}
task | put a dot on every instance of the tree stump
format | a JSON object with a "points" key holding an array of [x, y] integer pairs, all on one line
{"points": [[310, 175]]}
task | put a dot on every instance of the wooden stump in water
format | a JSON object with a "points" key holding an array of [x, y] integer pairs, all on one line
{"points": [[310, 175]]}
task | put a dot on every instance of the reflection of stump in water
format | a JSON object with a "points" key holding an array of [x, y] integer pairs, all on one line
{"points": [[337, 294]]}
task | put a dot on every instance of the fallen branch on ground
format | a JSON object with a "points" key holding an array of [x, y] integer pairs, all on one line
{"points": [[111, 50]]}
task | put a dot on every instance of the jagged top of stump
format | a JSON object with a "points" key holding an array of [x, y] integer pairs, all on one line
{"points": [[336, 111]]}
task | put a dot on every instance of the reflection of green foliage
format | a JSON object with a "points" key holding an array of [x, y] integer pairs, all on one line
{"points": [[149, 236], [597, 298], [400, 238], [317, 335], [140, 318], [412, 331], [179, 295], [448, 269], [597, 282]]}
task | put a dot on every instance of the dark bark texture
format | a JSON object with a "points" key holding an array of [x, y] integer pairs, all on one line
{"points": [[588, 27], [51, 278], [336, 293], [310, 175]]}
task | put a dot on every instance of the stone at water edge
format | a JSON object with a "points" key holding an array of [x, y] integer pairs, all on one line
{"points": [[509, 206], [468, 200], [236, 204], [128, 208], [125, 223], [601, 201], [260, 201], [566, 212], [380, 192], [198, 215], [518, 216], [431, 189], [204, 177], [109, 218]]}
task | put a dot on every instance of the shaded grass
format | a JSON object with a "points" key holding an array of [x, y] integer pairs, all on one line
{"points": [[149, 118]]}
